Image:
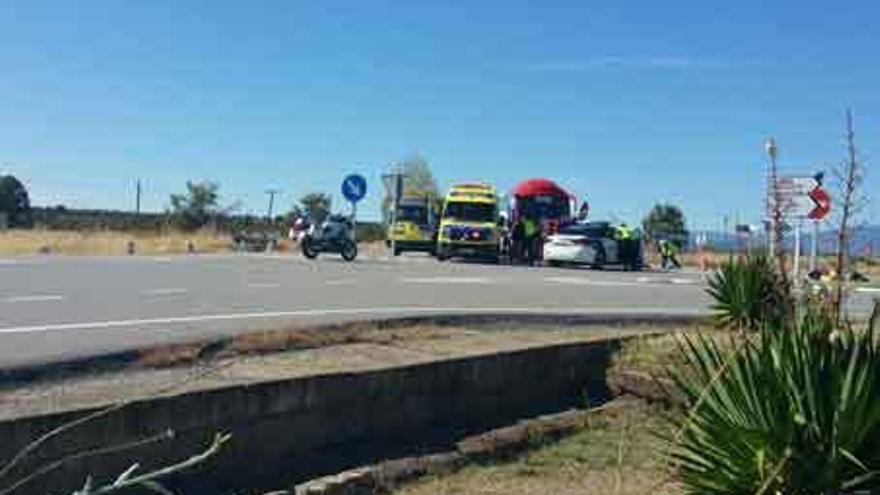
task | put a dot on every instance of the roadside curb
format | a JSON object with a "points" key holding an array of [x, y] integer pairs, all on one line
{"points": [[644, 386], [191, 352]]}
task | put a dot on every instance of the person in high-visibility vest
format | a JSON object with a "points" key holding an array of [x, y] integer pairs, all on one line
{"points": [[668, 250], [625, 244], [531, 231]]}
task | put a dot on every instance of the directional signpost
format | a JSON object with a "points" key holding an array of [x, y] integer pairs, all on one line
{"points": [[801, 197], [354, 188], [794, 196]]}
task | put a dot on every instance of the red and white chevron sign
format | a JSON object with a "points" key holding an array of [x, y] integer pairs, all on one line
{"points": [[822, 200], [800, 197]]}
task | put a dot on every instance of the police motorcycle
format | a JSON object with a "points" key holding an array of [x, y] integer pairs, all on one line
{"points": [[333, 235]]}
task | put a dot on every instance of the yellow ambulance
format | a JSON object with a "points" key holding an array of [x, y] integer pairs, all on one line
{"points": [[469, 224]]}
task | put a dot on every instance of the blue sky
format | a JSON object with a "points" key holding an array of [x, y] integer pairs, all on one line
{"points": [[627, 103]]}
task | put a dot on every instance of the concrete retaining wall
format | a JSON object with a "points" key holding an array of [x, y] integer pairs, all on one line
{"points": [[293, 430]]}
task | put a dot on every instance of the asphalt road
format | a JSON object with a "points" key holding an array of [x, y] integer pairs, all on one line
{"points": [[62, 307]]}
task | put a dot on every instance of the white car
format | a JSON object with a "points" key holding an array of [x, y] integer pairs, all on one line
{"points": [[593, 244]]}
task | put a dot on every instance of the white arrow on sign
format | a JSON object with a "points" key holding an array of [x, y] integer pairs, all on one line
{"points": [[794, 195], [796, 185], [353, 188]]}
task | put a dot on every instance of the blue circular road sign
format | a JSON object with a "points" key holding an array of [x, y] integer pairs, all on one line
{"points": [[354, 188]]}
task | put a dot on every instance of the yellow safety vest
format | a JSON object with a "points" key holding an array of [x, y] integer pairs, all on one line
{"points": [[530, 227]]}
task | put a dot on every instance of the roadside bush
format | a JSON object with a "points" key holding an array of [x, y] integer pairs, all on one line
{"points": [[793, 410], [370, 232], [747, 292]]}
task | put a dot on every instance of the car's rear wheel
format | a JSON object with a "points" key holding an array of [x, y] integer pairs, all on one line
{"points": [[441, 253]]}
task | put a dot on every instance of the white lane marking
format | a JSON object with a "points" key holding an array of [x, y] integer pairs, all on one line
{"points": [[347, 281], [164, 292], [162, 259], [446, 280], [401, 310], [21, 262], [34, 298], [868, 289], [264, 286], [591, 282], [639, 282]]}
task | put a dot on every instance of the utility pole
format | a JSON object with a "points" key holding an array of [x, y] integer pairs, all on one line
{"points": [[137, 198], [725, 229], [772, 197], [271, 193]]}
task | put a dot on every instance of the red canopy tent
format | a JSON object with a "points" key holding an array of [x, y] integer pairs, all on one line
{"points": [[531, 190], [539, 187]]}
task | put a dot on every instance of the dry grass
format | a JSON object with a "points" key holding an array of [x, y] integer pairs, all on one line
{"points": [[274, 341], [654, 354], [285, 340], [108, 242], [170, 355], [616, 453], [24, 242]]}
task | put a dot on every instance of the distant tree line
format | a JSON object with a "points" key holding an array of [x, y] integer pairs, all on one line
{"points": [[196, 208], [63, 218]]}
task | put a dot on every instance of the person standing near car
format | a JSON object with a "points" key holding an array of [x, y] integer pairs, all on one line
{"points": [[531, 232], [668, 251], [517, 241], [624, 243]]}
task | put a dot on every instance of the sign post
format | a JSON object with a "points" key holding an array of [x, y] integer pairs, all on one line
{"points": [[354, 188], [814, 247], [797, 254]]}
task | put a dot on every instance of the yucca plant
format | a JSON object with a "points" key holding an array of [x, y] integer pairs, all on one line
{"points": [[792, 410], [748, 291]]}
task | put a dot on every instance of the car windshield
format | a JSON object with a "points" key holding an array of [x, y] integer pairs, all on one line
{"points": [[546, 206], [412, 213], [470, 212]]}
